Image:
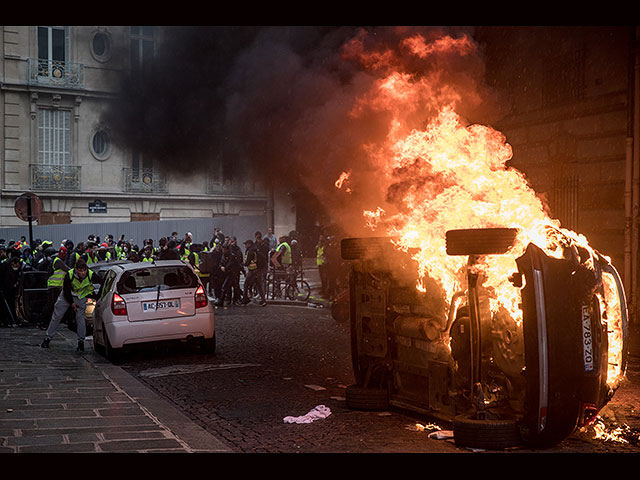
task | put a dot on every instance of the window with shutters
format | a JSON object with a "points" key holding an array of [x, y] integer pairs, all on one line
{"points": [[53, 170], [54, 137]]}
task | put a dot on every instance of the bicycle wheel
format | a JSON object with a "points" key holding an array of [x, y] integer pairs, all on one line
{"points": [[304, 292], [297, 292]]}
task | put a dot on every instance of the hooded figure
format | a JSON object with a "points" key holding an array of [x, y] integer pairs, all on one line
{"points": [[9, 277]]}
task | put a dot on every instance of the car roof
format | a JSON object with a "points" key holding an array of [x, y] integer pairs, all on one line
{"points": [[108, 263], [156, 263]]}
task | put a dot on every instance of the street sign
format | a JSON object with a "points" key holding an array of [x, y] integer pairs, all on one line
{"points": [[28, 205], [98, 206], [28, 208]]}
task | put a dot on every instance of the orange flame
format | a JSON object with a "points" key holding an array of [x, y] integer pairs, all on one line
{"points": [[344, 177], [451, 176]]}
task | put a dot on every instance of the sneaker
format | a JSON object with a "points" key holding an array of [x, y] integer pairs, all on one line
{"points": [[45, 343], [80, 346], [263, 303]]}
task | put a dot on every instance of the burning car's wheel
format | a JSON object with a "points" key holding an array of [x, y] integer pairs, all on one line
{"points": [[372, 399], [486, 434], [480, 241]]}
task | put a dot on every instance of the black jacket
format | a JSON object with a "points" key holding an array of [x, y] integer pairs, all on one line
{"points": [[8, 277]]}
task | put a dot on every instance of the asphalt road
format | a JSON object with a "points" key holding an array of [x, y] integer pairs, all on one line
{"points": [[280, 361]]}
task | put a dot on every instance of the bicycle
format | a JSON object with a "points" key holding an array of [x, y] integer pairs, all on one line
{"points": [[286, 286]]}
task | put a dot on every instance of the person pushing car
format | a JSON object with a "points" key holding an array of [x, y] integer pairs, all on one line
{"points": [[76, 288]]}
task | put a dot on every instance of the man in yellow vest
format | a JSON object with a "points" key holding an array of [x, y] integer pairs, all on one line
{"points": [[56, 279], [147, 254], [92, 253], [282, 260], [321, 261], [282, 257], [253, 277], [77, 286]]}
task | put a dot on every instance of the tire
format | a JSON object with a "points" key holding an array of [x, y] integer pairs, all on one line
{"points": [[368, 399], [364, 247], [340, 308], [208, 345], [114, 355], [297, 292], [480, 241], [486, 434], [96, 346]]}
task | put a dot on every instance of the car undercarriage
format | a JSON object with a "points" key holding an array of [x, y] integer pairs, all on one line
{"points": [[502, 381]]}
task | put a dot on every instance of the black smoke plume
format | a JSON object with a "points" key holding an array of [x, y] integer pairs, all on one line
{"points": [[273, 101]]}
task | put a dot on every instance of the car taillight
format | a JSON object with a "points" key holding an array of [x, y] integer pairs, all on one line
{"points": [[588, 414], [201, 297], [118, 305]]}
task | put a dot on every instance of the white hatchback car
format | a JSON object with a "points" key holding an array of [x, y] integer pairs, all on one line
{"points": [[151, 302]]}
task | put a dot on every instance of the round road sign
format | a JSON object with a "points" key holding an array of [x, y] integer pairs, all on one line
{"points": [[21, 206]]}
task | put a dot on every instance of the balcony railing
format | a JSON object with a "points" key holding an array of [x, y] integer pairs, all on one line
{"points": [[55, 177], [143, 181], [55, 73]]}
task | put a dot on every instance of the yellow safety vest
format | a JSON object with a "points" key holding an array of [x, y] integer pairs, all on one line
{"points": [[286, 256], [81, 288], [320, 256], [201, 274], [57, 277]]}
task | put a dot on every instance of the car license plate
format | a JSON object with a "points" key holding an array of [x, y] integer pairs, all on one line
{"points": [[587, 339], [161, 305]]}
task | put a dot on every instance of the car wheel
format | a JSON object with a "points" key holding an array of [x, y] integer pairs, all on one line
{"points": [[96, 346], [371, 399], [485, 434], [480, 241], [114, 355], [209, 344]]}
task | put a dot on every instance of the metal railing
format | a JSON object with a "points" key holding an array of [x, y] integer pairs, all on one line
{"points": [[55, 177], [55, 73], [143, 181]]}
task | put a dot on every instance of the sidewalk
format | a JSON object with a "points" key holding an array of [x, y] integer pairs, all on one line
{"points": [[58, 401]]}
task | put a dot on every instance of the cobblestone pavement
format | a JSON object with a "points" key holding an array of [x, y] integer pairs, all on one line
{"points": [[58, 401], [270, 363], [275, 362]]}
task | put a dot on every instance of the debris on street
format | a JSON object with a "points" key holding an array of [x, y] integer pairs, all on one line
{"points": [[315, 387], [317, 413]]}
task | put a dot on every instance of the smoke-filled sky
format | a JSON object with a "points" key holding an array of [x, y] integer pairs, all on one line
{"points": [[291, 104]]}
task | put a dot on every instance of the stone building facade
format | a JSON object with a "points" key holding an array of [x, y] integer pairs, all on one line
{"points": [[572, 100], [55, 83]]}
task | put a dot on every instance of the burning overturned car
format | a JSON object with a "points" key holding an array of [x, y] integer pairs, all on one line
{"points": [[474, 305], [501, 380]]}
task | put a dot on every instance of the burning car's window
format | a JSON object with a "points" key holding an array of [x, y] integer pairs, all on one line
{"points": [[149, 279]]}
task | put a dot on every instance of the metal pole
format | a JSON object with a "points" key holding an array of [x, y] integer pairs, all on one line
{"points": [[30, 223]]}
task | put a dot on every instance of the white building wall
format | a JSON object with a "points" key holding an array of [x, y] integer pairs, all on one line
{"points": [[100, 178]]}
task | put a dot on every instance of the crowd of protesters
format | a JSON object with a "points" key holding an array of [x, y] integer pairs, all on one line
{"points": [[220, 262]]}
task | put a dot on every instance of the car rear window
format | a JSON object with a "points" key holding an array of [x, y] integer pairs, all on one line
{"points": [[149, 279]]}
